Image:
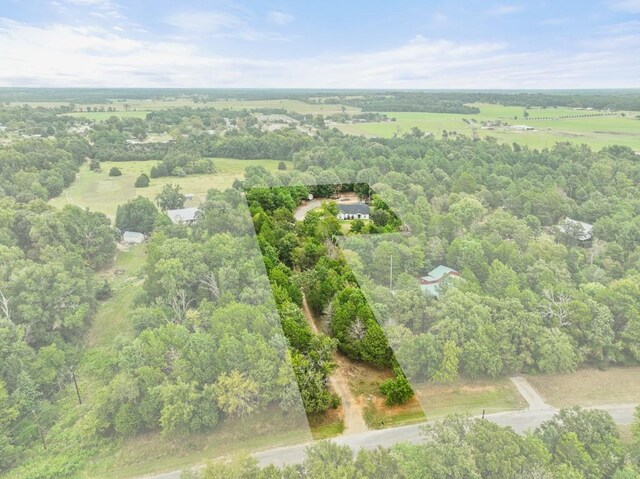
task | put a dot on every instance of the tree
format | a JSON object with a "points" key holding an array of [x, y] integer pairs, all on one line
{"points": [[115, 171], [236, 394], [587, 440], [142, 181], [94, 165], [282, 166], [138, 215], [92, 233], [170, 198], [448, 370], [635, 433]]}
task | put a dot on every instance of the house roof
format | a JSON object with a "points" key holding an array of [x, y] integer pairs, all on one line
{"points": [[587, 229], [436, 278], [355, 208], [132, 237], [132, 234], [437, 274], [182, 215]]}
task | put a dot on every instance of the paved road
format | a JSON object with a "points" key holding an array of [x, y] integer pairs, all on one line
{"points": [[520, 421]]}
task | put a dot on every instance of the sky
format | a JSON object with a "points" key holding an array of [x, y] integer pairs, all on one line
{"points": [[411, 44]]}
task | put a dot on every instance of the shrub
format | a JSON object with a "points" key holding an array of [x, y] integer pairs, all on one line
{"points": [[142, 181], [282, 166], [397, 390], [104, 291], [115, 172]]}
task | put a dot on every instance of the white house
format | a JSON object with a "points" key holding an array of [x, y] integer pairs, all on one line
{"points": [[183, 215], [355, 211], [581, 231], [132, 237]]}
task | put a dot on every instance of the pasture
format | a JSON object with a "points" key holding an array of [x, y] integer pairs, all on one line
{"points": [[100, 192], [597, 132]]}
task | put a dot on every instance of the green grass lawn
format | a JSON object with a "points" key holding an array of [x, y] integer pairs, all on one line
{"points": [[467, 396], [125, 278], [590, 387], [324, 426], [100, 192], [595, 132]]}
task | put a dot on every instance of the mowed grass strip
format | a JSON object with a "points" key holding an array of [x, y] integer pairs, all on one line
{"points": [[100, 192], [590, 387], [154, 452], [468, 397]]}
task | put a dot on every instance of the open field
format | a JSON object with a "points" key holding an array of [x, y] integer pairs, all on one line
{"points": [[596, 132], [100, 192], [590, 387], [290, 105]]}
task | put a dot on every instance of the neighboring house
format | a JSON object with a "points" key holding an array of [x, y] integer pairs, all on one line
{"points": [[132, 237], [355, 211], [579, 230], [432, 282], [183, 215]]}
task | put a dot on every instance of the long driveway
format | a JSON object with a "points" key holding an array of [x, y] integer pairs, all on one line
{"points": [[302, 211]]}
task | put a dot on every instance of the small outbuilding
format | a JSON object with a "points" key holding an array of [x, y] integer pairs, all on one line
{"points": [[132, 237]]}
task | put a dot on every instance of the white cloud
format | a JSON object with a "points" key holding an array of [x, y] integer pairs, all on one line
{"points": [[439, 19], [204, 22], [501, 10], [628, 6], [217, 24], [100, 8], [64, 55], [279, 18]]}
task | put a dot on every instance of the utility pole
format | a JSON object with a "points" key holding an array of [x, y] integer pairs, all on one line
{"points": [[73, 375], [44, 444]]}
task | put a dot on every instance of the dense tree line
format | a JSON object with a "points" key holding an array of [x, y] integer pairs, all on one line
{"points": [[39, 169], [47, 297], [410, 101], [548, 301], [455, 102]]}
